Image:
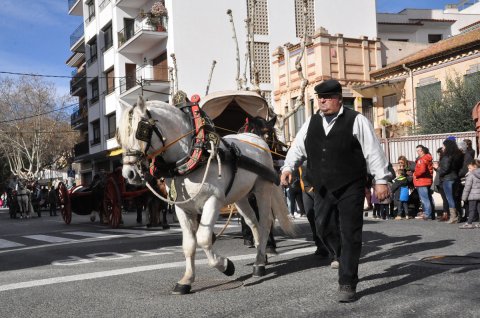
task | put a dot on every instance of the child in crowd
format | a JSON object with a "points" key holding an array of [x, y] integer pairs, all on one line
{"points": [[380, 208], [401, 194], [471, 193]]}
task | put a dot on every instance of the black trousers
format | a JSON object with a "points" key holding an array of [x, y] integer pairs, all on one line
{"points": [[339, 223], [307, 198]]}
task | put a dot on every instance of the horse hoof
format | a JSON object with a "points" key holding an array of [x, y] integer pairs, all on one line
{"points": [[230, 268], [259, 270], [180, 289]]}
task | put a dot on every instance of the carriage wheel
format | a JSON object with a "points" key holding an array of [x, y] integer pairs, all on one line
{"points": [[64, 202], [112, 203]]}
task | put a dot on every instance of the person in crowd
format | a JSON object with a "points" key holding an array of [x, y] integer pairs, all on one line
{"points": [[437, 186], [401, 193], [294, 192], [470, 150], [448, 169], [341, 148], [467, 159], [380, 207], [391, 209], [52, 200], [308, 202], [414, 198], [471, 192], [423, 179], [368, 194]]}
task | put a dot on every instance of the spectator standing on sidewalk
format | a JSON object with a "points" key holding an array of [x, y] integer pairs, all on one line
{"points": [[448, 169], [341, 148], [471, 192], [437, 186], [401, 194], [423, 179]]}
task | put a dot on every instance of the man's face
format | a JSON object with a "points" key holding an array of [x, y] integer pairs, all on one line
{"points": [[329, 104]]}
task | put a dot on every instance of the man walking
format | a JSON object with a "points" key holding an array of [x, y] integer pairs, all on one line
{"points": [[341, 148]]}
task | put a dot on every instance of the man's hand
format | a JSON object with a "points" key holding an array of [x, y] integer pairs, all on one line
{"points": [[381, 191], [286, 178]]}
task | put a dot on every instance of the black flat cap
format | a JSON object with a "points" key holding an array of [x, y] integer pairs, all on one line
{"points": [[329, 87]]}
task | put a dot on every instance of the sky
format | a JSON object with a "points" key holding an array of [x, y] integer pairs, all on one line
{"points": [[35, 34]]}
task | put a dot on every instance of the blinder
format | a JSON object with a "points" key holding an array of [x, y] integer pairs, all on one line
{"points": [[144, 130]]}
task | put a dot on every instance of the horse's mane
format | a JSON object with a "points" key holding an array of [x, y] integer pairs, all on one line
{"points": [[125, 131]]}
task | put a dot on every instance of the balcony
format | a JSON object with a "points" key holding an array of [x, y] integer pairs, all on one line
{"points": [[81, 149], [131, 3], [79, 117], [78, 84], [77, 39], [75, 7], [151, 81], [141, 36]]}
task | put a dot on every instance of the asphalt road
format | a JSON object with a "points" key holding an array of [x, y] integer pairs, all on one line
{"points": [[49, 269]]}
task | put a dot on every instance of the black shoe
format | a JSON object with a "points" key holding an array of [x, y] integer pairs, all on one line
{"points": [[248, 243], [346, 294]]}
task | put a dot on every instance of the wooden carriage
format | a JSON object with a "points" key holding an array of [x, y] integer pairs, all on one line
{"points": [[106, 198]]}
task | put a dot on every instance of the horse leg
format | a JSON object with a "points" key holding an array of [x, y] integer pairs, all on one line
{"points": [[264, 204], [204, 237], [258, 232], [189, 226]]}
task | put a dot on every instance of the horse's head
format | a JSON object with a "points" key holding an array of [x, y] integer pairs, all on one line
{"points": [[142, 132]]}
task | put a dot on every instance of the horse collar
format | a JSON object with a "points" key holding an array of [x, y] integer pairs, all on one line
{"points": [[204, 132]]}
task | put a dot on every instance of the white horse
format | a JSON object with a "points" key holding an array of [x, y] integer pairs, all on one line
{"points": [[23, 197], [203, 192]]}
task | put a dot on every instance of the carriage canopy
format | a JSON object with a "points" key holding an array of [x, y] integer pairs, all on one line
{"points": [[229, 109]]}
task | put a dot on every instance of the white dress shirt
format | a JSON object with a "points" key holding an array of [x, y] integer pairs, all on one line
{"points": [[377, 164]]}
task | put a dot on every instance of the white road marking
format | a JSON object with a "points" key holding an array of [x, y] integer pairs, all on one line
{"points": [[130, 270], [49, 238], [92, 234], [139, 232], [7, 244]]}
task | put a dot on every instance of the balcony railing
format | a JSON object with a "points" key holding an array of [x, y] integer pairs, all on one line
{"points": [[81, 148], [79, 114], [78, 83], [146, 73], [76, 35], [130, 31], [71, 4], [93, 100], [103, 4]]}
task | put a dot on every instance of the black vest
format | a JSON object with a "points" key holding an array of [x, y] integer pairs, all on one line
{"points": [[335, 160]]}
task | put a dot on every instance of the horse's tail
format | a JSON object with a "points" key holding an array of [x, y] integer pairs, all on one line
{"points": [[280, 211]]}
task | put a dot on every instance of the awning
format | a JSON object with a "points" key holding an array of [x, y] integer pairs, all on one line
{"points": [[381, 83], [251, 102], [115, 152]]}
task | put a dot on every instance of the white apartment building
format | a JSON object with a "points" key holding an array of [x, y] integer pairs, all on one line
{"points": [[118, 54]]}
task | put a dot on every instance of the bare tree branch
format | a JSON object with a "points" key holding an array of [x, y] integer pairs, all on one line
{"points": [[210, 77]]}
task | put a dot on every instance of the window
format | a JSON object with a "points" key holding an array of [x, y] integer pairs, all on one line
{"points": [[472, 81], [434, 38], [112, 126], [109, 81], [390, 107], [398, 40], [107, 37], [367, 108], [92, 50], [426, 95], [299, 118], [94, 90], [90, 10], [95, 132], [348, 102], [299, 19]]}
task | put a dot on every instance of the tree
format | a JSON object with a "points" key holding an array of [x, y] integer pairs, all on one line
{"points": [[33, 134], [450, 110]]}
